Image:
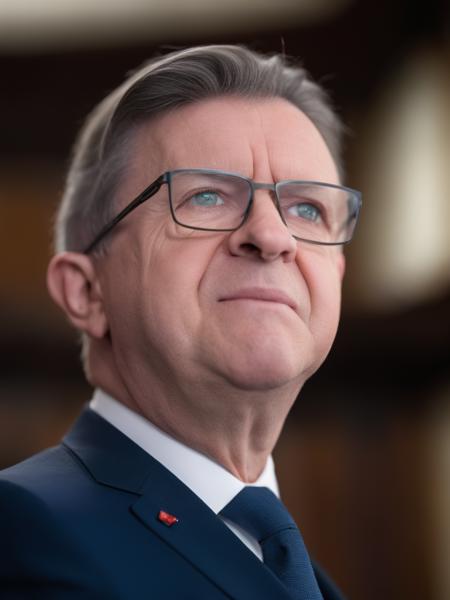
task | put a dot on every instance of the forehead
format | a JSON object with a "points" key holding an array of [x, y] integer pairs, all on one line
{"points": [[266, 139]]}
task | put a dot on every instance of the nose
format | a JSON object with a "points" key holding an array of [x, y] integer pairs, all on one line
{"points": [[263, 235]]}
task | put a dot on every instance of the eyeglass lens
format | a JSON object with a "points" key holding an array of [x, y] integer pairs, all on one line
{"points": [[311, 211]]}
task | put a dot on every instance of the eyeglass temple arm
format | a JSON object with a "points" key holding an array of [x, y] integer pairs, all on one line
{"points": [[143, 196], [353, 216]]}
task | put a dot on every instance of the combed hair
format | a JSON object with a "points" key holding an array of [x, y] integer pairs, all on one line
{"points": [[179, 78]]}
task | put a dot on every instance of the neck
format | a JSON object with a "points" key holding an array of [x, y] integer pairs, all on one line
{"points": [[238, 428]]}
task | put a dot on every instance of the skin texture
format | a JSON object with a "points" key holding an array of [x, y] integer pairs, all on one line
{"points": [[210, 335]]}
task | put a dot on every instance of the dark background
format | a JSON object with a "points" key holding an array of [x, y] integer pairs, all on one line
{"points": [[363, 462]]}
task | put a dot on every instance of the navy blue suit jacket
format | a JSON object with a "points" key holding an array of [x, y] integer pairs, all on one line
{"points": [[81, 521]]}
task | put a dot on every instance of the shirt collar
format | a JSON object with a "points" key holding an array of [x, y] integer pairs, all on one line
{"points": [[206, 478]]}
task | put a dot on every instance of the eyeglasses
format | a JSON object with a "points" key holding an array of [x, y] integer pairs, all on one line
{"points": [[212, 200]]}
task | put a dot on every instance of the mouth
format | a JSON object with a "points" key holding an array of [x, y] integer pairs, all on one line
{"points": [[261, 295]]}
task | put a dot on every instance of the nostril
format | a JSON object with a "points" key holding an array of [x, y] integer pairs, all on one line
{"points": [[250, 248]]}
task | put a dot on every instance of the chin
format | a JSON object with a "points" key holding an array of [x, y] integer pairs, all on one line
{"points": [[259, 359], [258, 374]]}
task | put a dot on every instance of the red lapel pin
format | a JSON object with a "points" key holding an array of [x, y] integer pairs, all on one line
{"points": [[167, 518]]}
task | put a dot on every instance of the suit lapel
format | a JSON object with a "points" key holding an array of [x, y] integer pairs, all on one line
{"points": [[203, 539], [199, 535]]}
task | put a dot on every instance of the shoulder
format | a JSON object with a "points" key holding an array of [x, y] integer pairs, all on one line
{"points": [[29, 491], [37, 549], [22, 514], [52, 487], [57, 457], [31, 495], [42, 473]]}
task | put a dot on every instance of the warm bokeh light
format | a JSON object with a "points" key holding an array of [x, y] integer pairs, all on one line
{"points": [[55, 24], [404, 238]]}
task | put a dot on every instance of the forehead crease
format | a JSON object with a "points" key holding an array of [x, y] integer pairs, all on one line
{"points": [[193, 137], [296, 148], [268, 140]]}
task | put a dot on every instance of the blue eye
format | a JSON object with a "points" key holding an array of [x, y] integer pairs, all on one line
{"points": [[305, 211], [206, 199]]}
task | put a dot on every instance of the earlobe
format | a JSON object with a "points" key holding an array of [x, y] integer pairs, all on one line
{"points": [[74, 286]]}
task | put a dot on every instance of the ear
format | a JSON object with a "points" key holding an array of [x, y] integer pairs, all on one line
{"points": [[74, 286]]}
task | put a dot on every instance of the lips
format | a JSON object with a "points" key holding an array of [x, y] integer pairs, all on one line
{"points": [[263, 294]]}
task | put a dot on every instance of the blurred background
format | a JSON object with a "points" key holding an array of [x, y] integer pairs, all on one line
{"points": [[364, 462]]}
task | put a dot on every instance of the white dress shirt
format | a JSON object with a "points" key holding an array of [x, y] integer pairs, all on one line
{"points": [[211, 482]]}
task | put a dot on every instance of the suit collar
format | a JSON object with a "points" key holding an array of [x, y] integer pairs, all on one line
{"points": [[205, 477], [110, 457]]}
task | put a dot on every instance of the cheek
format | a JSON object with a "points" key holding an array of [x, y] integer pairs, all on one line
{"points": [[171, 281], [122, 295], [322, 271]]}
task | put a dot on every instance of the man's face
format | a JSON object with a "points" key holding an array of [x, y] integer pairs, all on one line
{"points": [[253, 307]]}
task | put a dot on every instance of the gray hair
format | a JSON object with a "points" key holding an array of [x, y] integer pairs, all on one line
{"points": [[179, 78]]}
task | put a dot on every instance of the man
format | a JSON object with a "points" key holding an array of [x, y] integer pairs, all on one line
{"points": [[199, 253]]}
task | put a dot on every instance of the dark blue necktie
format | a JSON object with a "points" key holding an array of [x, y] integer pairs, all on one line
{"points": [[264, 516]]}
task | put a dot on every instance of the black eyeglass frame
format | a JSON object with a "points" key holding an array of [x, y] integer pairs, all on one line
{"points": [[166, 177]]}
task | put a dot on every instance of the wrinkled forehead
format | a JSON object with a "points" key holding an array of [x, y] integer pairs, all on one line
{"points": [[265, 139]]}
